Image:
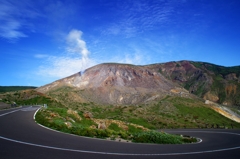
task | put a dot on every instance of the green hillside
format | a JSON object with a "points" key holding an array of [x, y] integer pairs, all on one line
{"points": [[4, 89]]}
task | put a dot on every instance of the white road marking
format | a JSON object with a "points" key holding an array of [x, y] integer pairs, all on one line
{"points": [[29, 109], [9, 112], [10, 108], [22, 109], [123, 154]]}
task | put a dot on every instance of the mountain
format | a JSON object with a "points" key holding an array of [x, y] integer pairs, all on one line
{"points": [[182, 94], [123, 84], [212, 82], [117, 84]]}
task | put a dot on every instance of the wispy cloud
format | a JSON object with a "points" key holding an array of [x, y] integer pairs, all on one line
{"points": [[134, 55], [135, 59], [40, 56], [11, 29], [74, 60], [13, 17], [138, 16], [10, 26]]}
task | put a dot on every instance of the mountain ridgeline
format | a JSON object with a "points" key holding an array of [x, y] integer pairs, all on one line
{"points": [[123, 84], [208, 81], [4, 89], [164, 95], [116, 84]]}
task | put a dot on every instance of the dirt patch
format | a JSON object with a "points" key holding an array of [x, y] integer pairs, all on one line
{"points": [[4, 106]]}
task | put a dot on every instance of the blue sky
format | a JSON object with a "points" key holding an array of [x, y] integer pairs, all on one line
{"points": [[45, 40]]}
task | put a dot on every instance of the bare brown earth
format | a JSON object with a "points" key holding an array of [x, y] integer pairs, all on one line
{"points": [[117, 84]]}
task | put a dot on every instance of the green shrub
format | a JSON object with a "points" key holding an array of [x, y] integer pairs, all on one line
{"points": [[115, 127], [123, 134], [133, 129], [141, 121], [102, 133], [156, 137]]}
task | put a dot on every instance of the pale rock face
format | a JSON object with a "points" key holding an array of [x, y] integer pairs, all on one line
{"points": [[116, 84], [102, 125], [82, 84], [231, 76], [211, 97]]}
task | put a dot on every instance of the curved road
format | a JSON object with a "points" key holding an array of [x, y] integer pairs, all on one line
{"points": [[21, 137]]}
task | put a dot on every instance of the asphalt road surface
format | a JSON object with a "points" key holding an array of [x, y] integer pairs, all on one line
{"points": [[21, 137]]}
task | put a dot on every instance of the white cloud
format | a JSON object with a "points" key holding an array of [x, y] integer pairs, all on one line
{"points": [[10, 30], [60, 67], [76, 60], [14, 18], [9, 27], [136, 58]]}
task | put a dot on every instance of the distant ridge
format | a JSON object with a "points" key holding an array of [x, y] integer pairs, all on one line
{"points": [[4, 89]]}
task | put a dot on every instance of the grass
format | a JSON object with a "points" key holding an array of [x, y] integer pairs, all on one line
{"points": [[168, 113], [28, 97], [56, 118], [141, 121], [199, 114], [115, 127], [171, 112]]}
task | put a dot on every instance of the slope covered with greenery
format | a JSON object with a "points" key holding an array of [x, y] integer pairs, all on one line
{"points": [[74, 122], [4, 89], [226, 82], [28, 97], [170, 112], [209, 81]]}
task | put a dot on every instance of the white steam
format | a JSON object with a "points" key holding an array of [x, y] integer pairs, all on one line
{"points": [[76, 60], [76, 44]]}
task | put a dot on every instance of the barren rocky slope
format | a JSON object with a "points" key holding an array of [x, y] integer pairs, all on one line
{"points": [[122, 84], [116, 84]]}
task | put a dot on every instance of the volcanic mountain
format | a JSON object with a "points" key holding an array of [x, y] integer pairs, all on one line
{"points": [[123, 84], [117, 84]]}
